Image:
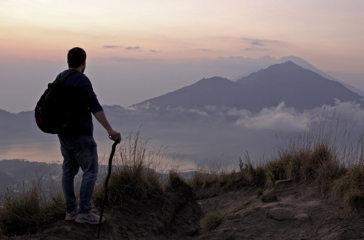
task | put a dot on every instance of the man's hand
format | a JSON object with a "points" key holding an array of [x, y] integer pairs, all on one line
{"points": [[114, 135]]}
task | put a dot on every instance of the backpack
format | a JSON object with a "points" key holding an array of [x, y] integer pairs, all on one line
{"points": [[51, 109]]}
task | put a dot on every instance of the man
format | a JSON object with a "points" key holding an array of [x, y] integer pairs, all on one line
{"points": [[77, 144]]}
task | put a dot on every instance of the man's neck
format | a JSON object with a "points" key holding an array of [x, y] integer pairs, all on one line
{"points": [[78, 69]]}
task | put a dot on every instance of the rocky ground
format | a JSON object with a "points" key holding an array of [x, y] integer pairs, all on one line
{"points": [[289, 211]]}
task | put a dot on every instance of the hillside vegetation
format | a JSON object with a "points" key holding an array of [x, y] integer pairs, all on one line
{"points": [[143, 204]]}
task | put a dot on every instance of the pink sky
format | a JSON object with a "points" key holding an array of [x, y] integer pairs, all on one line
{"points": [[125, 38]]}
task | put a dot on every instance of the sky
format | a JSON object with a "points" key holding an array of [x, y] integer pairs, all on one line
{"points": [[142, 49]]}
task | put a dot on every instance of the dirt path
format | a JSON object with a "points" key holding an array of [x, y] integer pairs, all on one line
{"points": [[289, 212]]}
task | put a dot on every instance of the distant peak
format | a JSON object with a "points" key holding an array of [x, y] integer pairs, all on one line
{"points": [[287, 64], [268, 57], [289, 58], [113, 107], [214, 79]]}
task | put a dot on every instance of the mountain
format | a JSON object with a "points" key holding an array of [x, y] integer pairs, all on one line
{"points": [[19, 127], [266, 61], [298, 87], [214, 91]]}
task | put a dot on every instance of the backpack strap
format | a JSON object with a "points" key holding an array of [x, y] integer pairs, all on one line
{"points": [[65, 76]]}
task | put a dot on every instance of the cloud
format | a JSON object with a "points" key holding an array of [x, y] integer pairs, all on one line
{"points": [[285, 119], [213, 108], [153, 51], [278, 118], [263, 42], [132, 48], [343, 111], [256, 43], [190, 110], [256, 49], [206, 50], [120, 59], [144, 106], [133, 60], [111, 46]]}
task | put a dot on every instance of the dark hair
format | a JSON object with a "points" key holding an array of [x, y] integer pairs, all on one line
{"points": [[76, 56]]}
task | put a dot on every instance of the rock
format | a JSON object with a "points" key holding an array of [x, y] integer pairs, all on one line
{"points": [[283, 184], [302, 216], [233, 216], [269, 196], [281, 214]]}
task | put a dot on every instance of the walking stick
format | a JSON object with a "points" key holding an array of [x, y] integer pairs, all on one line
{"points": [[106, 182]]}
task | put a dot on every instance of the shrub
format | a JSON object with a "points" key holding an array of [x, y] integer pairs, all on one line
{"points": [[132, 179], [350, 188], [277, 169], [210, 221], [259, 192], [20, 212], [260, 176], [55, 205], [212, 184]]}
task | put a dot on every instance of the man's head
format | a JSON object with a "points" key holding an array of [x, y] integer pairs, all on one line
{"points": [[77, 58]]}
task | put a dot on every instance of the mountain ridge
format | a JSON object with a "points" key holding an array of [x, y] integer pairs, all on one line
{"points": [[267, 61], [287, 82]]}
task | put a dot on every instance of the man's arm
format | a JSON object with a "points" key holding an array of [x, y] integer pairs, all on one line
{"points": [[101, 117]]}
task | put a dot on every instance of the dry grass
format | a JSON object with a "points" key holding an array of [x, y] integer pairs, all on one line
{"points": [[337, 171], [210, 221], [317, 163], [21, 212], [350, 188], [212, 183], [133, 178]]}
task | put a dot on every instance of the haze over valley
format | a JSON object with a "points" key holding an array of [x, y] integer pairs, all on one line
{"points": [[215, 119]]}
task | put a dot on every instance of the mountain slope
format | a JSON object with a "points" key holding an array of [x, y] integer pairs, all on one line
{"points": [[214, 91], [266, 61], [298, 87]]}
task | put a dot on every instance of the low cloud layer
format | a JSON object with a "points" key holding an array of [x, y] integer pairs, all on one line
{"points": [[284, 119], [213, 130], [279, 118]]}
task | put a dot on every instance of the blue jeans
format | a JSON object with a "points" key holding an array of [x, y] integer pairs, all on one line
{"points": [[80, 151]]}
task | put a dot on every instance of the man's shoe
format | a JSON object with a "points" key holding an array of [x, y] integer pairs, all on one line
{"points": [[89, 217], [72, 215]]}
